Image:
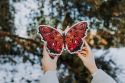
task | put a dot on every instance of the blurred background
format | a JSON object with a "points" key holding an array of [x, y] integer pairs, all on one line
{"points": [[21, 46]]}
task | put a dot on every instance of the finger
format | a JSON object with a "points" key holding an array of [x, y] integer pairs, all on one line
{"points": [[86, 44], [44, 47], [80, 56], [84, 49], [45, 52], [83, 52], [56, 58]]}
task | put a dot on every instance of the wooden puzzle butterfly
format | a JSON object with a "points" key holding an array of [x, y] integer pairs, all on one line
{"points": [[70, 39]]}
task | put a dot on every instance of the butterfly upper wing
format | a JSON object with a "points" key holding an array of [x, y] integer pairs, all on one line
{"points": [[53, 38], [74, 35]]}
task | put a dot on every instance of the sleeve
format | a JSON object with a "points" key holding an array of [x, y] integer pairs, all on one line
{"points": [[50, 77], [101, 77]]}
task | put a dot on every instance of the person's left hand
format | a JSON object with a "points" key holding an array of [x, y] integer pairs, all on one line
{"points": [[48, 63]]}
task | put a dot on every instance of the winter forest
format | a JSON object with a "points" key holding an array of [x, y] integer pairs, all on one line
{"points": [[21, 46]]}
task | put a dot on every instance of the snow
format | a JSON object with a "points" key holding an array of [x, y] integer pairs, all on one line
{"points": [[118, 56], [25, 11], [20, 73]]}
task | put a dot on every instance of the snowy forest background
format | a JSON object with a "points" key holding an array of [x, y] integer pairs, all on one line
{"points": [[20, 45]]}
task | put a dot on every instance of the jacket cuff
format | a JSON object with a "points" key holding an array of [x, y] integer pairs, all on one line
{"points": [[50, 77], [96, 72], [101, 77]]}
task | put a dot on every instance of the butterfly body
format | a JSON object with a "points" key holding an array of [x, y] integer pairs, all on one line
{"points": [[71, 40]]}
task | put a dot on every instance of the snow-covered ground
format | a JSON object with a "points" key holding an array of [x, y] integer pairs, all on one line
{"points": [[19, 72]]}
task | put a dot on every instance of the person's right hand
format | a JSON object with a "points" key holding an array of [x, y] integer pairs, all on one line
{"points": [[87, 58], [48, 63]]}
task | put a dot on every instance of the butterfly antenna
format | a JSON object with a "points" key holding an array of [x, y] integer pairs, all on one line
{"points": [[67, 28]]}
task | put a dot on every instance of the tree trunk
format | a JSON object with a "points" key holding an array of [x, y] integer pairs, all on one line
{"points": [[6, 21]]}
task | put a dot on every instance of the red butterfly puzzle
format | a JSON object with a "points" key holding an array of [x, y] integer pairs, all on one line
{"points": [[71, 39]]}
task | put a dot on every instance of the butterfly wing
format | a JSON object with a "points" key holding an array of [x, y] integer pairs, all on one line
{"points": [[53, 38], [73, 38]]}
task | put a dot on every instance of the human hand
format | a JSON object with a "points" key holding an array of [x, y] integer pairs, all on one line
{"points": [[48, 63], [87, 58]]}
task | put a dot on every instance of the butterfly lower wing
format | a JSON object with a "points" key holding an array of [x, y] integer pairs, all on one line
{"points": [[53, 38], [74, 35]]}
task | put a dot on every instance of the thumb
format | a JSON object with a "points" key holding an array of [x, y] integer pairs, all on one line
{"points": [[55, 59], [44, 47], [45, 51]]}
